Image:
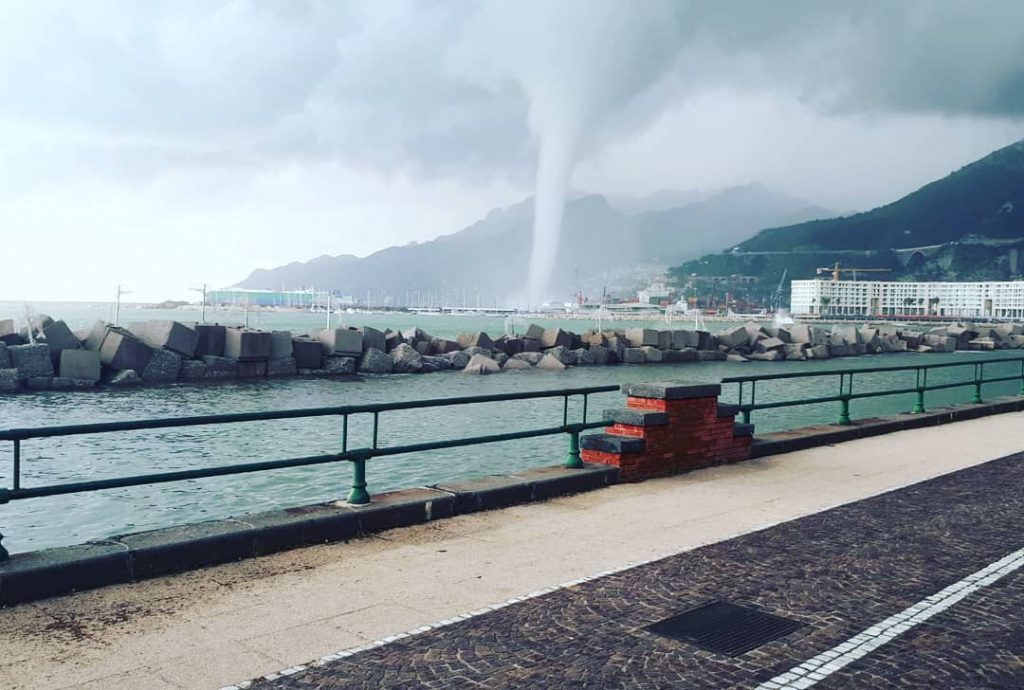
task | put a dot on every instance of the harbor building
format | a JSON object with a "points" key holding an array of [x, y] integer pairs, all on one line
{"points": [[853, 298]]}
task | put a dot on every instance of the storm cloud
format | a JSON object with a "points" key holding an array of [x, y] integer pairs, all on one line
{"points": [[184, 100]]}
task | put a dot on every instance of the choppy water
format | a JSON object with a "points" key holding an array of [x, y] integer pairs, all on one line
{"points": [[38, 523]]}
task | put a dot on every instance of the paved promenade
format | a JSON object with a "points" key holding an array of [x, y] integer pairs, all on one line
{"points": [[837, 574]]}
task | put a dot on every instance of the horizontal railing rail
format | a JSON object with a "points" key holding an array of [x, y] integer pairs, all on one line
{"points": [[747, 391], [358, 457]]}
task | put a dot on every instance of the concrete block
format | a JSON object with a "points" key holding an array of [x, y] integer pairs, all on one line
{"points": [[652, 355], [513, 363], [551, 363], [664, 340], [94, 339], [682, 339], [5, 357], [769, 344], [372, 338], [341, 341], [531, 345], [640, 337], [82, 365], [481, 364], [7, 327], [31, 361], [280, 344], [672, 390], [40, 383], [173, 335], [633, 355], [308, 354], [562, 354], [9, 381], [252, 369], [220, 367], [442, 346], [766, 356], [59, 337], [340, 365], [375, 361], [192, 370], [529, 357], [210, 339], [282, 366], [534, 332], [479, 339], [163, 365], [121, 351], [247, 345], [733, 337]]}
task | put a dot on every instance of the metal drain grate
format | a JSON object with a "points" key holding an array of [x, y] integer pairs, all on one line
{"points": [[725, 628]]}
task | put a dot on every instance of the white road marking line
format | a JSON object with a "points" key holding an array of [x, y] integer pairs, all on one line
{"points": [[828, 662]]}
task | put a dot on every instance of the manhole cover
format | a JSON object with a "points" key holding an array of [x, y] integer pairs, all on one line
{"points": [[725, 628]]}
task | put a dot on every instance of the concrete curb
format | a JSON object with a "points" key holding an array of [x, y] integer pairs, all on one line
{"points": [[143, 555], [826, 434]]}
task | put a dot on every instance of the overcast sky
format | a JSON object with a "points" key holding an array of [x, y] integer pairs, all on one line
{"points": [[165, 144]]}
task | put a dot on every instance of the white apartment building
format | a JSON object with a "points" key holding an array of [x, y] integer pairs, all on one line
{"points": [[845, 298]]}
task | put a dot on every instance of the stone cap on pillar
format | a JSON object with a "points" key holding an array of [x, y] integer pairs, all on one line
{"points": [[672, 390]]}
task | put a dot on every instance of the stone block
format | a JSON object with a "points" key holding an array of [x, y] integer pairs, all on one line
{"points": [[422, 347], [308, 354], [173, 335], [769, 344], [534, 332], [481, 364], [192, 370], [341, 341], [583, 357], [442, 346], [551, 363], [7, 327], [375, 361], [5, 357], [799, 333], [82, 365], [478, 339], [512, 363], [633, 355], [59, 337], [766, 356], [640, 337], [210, 339], [97, 333], [796, 351], [247, 345], [531, 345], [31, 361], [371, 338], [393, 339], [531, 358], [600, 354], [280, 344], [593, 337], [220, 367], [733, 337], [711, 356], [652, 355], [40, 383], [9, 381], [121, 351], [664, 340], [406, 359], [163, 365], [458, 359], [562, 354], [818, 352], [252, 369], [682, 339], [282, 366], [672, 390]]}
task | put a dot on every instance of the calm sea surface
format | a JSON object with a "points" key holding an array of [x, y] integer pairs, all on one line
{"points": [[39, 523]]}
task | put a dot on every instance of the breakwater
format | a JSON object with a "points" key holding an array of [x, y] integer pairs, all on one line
{"points": [[46, 354]]}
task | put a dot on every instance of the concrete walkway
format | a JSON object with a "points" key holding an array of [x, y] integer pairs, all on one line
{"points": [[227, 624]]}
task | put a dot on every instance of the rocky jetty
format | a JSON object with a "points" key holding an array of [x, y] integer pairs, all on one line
{"points": [[52, 356]]}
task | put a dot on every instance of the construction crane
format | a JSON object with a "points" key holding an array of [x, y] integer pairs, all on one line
{"points": [[837, 269]]}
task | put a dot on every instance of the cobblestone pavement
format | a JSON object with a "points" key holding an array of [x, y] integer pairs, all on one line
{"points": [[839, 572]]}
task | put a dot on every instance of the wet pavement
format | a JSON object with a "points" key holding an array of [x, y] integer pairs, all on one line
{"points": [[839, 573]]}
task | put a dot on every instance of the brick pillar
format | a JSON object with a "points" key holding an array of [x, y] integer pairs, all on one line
{"points": [[667, 428]]}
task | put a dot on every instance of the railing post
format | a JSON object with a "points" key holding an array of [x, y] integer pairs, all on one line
{"points": [[979, 373], [358, 495], [573, 461], [844, 401], [1021, 378], [919, 403], [4, 555]]}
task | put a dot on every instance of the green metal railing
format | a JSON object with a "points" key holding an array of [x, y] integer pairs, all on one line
{"points": [[747, 394], [358, 457]]}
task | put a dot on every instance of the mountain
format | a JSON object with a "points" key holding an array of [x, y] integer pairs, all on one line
{"points": [[984, 198], [600, 245], [661, 200], [966, 226]]}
